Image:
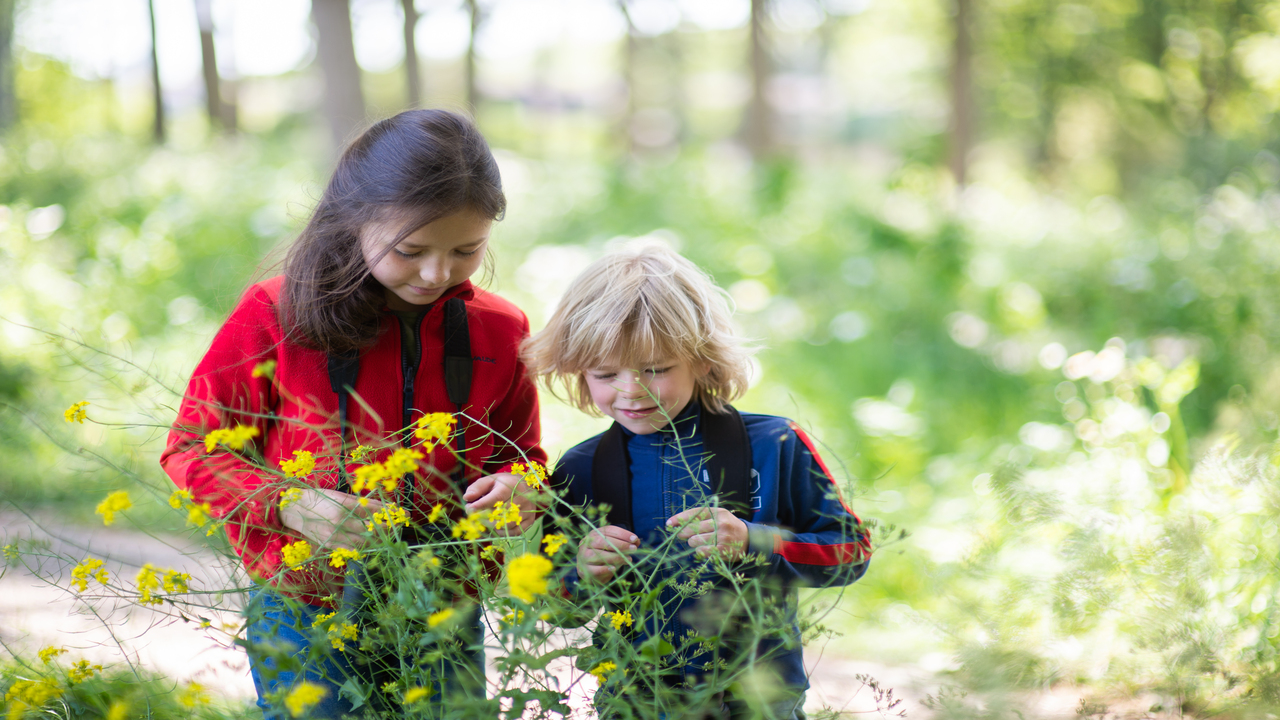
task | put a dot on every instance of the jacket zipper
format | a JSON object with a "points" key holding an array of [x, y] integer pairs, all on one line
{"points": [[410, 371]]}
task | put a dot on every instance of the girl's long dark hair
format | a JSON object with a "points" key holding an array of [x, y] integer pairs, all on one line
{"points": [[412, 169]]}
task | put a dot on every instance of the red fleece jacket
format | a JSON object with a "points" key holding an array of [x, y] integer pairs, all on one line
{"points": [[294, 408]]}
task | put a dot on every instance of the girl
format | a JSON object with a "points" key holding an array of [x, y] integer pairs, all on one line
{"points": [[373, 325]]}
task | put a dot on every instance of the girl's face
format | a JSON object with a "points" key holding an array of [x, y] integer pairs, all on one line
{"points": [[434, 258], [644, 397]]}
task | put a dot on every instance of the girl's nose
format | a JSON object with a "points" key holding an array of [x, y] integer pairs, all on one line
{"points": [[434, 271]]}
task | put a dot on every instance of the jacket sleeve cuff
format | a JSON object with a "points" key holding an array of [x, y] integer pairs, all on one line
{"points": [[762, 539]]}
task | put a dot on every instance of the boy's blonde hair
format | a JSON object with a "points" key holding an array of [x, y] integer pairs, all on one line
{"points": [[641, 304]]}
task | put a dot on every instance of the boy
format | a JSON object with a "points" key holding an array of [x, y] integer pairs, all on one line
{"points": [[643, 337]]}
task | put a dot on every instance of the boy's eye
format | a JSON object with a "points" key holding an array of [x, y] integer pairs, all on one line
{"points": [[659, 371], [602, 375]]}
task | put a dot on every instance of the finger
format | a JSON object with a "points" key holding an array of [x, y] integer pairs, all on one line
{"points": [[603, 557], [479, 488], [696, 528], [686, 516], [619, 533], [614, 544]]}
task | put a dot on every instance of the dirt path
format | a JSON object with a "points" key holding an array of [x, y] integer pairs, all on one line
{"points": [[38, 610]]}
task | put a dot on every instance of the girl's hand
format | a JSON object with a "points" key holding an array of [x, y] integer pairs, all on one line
{"points": [[329, 518], [711, 530], [489, 490], [603, 551]]}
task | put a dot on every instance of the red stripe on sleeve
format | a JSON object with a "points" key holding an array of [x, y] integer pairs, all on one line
{"points": [[818, 458], [815, 554]]}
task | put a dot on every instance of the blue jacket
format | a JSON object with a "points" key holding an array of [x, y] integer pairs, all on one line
{"points": [[799, 522]]}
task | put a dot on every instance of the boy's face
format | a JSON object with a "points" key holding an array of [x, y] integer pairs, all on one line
{"points": [[645, 396]]}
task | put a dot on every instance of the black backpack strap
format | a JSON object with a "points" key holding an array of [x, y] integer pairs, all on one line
{"points": [[343, 370], [611, 476], [728, 448], [457, 362]]}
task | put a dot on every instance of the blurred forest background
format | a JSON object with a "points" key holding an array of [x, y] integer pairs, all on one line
{"points": [[1014, 263]]}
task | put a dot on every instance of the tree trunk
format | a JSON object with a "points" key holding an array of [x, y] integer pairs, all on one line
{"points": [[343, 98], [8, 97], [961, 94], [758, 125], [473, 92], [221, 113], [411, 74], [157, 128]]}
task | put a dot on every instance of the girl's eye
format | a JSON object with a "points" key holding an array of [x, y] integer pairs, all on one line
{"points": [[467, 253], [405, 254]]}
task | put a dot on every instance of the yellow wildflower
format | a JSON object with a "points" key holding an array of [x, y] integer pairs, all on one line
{"points": [[148, 583], [489, 551], [290, 496], [505, 513], [339, 557], [296, 553], [114, 503], [604, 670], [302, 464], [515, 617], [434, 429], [303, 697], [266, 369], [76, 413], [534, 475], [340, 633], [48, 654], [620, 618], [553, 542], [368, 477], [82, 671], [234, 438], [119, 710], [29, 694], [90, 568], [414, 694], [389, 516], [192, 695], [468, 527], [437, 511], [437, 618], [198, 515], [360, 452], [178, 497], [527, 576], [401, 462], [10, 551], [176, 582]]}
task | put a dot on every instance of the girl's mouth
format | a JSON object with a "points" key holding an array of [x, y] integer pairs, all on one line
{"points": [[636, 414], [426, 292]]}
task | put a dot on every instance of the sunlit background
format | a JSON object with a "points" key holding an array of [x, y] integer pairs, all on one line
{"points": [[1013, 262]]}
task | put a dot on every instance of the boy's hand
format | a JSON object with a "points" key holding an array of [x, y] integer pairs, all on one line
{"points": [[603, 551], [489, 490], [711, 530], [329, 518]]}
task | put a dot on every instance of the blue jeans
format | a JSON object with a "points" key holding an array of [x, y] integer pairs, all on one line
{"points": [[282, 654]]}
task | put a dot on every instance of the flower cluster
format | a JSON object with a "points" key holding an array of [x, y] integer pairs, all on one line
{"points": [[402, 462], [534, 475], [234, 438], [470, 527], [527, 576], [604, 670], [266, 369], [437, 511], [437, 618], [434, 429], [76, 413], [504, 513], [90, 568], [619, 618], [117, 501], [553, 542], [339, 557], [303, 697], [47, 654], [302, 464], [150, 579], [192, 695], [29, 694], [296, 553], [290, 496], [82, 671], [414, 694], [388, 517], [338, 632], [197, 513]]}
